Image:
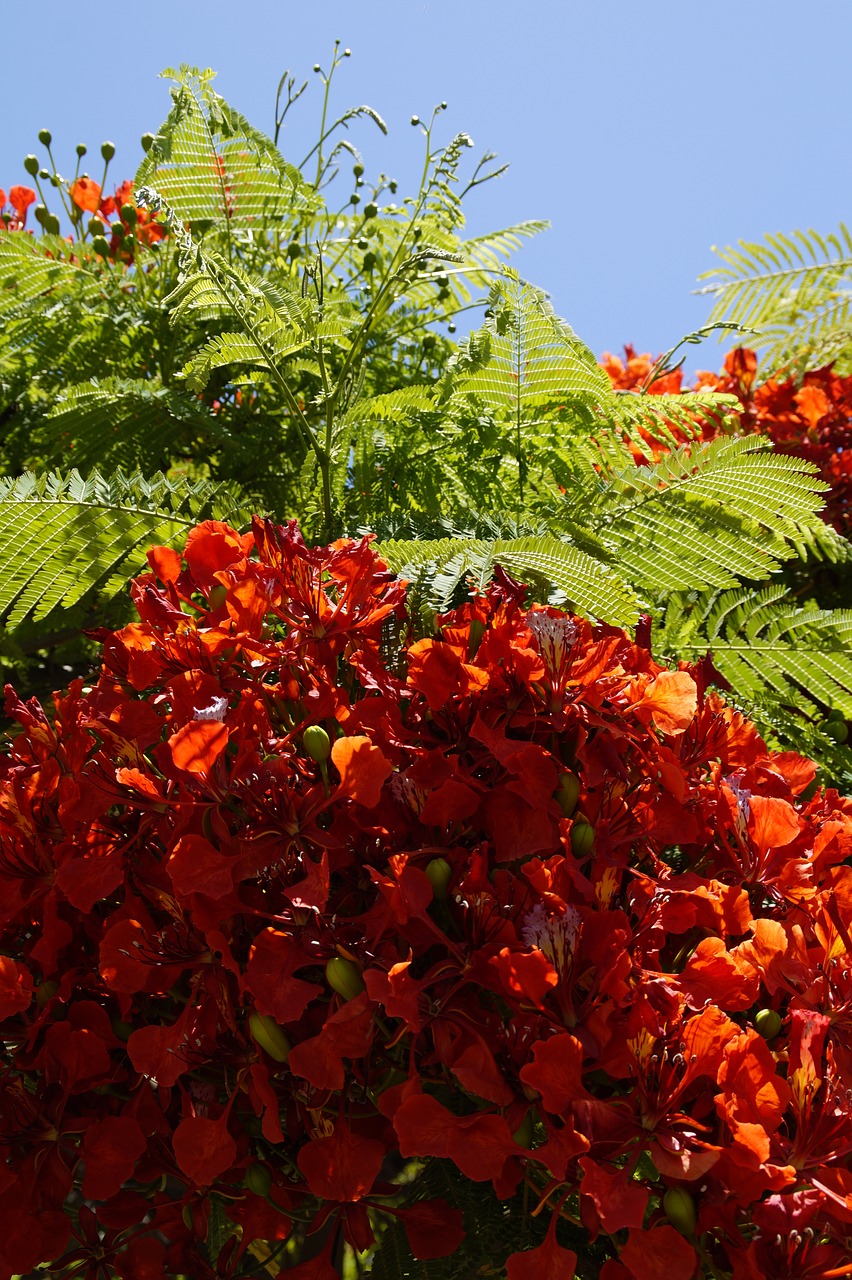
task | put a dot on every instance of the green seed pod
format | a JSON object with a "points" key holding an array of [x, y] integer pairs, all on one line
{"points": [[679, 1208], [147, 142], [45, 137], [344, 977], [272, 1038], [835, 729], [107, 150], [582, 837], [31, 165], [525, 1133], [317, 743], [767, 1022], [567, 793], [51, 224], [258, 1179], [46, 991], [129, 214], [370, 210], [440, 873]]}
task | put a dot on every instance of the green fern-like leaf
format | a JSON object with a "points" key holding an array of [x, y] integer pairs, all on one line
{"points": [[214, 167], [795, 290], [62, 536]]}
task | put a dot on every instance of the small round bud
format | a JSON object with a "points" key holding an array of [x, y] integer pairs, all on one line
{"points": [[217, 595], [129, 214], [679, 1208], [107, 150], [568, 793], [317, 67], [836, 730], [358, 170], [31, 165], [443, 106], [294, 250], [347, 53], [81, 149], [415, 119], [354, 198], [95, 227], [393, 186], [100, 246], [317, 743], [767, 1023], [40, 213], [147, 142], [369, 261], [525, 1133], [439, 873], [451, 328], [51, 224], [44, 174], [836, 714], [582, 837], [45, 137], [344, 977], [271, 1037], [258, 1179], [370, 210]]}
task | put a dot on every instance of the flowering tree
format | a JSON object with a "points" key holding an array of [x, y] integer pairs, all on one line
{"points": [[312, 930]]}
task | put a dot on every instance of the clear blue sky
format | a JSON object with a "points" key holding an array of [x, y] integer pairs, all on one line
{"points": [[644, 132]]}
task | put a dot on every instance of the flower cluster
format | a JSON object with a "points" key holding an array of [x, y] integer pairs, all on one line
{"points": [[809, 418], [20, 199], [288, 897], [132, 224]]}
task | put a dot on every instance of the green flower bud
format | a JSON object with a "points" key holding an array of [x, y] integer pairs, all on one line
{"points": [[370, 210], [767, 1022], [439, 873], [369, 261], [836, 714], [51, 224], [40, 213], [95, 227], [258, 1179], [107, 150], [358, 170], [294, 250], [123, 1030], [344, 977], [836, 730], [272, 1038], [100, 246], [216, 595], [147, 141], [582, 837], [186, 1214], [354, 198], [44, 174], [45, 137], [526, 1132], [45, 991], [679, 1208], [31, 165], [81, 149], [129, 214], [415, 119], [568, 793], [317, 743]]}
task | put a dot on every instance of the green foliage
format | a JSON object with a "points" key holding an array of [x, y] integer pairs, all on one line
{"points": [[795, 291], [281, 351]]}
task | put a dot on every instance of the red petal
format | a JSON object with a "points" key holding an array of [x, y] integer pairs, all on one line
{"points": [[556, 1071], [16, 987], [433, 1228], [362, 768], [196, 867], [343, 1166], [110, 1150], [204, 1148], [198, 745], [550, 1261], [273, 959], [660, 1252]]}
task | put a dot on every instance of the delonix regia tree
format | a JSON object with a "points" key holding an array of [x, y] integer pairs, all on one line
{"points": [[238, 340]]}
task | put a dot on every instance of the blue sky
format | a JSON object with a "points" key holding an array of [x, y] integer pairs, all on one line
{"points": [[645, 133]]}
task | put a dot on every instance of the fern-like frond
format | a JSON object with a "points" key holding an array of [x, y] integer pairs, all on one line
{"points": [[795, 290], [767, 646], [587, 585], [214, 167], [62, 536], [131, 423]]}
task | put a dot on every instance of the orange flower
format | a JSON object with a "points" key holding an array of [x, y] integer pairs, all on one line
{"points": [[86, 194]]}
